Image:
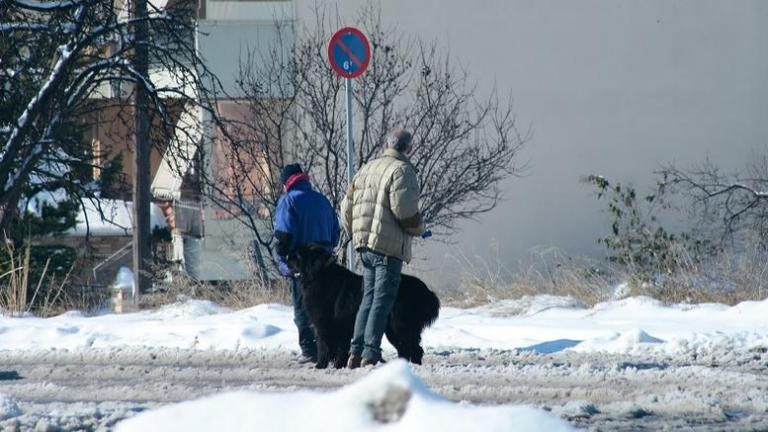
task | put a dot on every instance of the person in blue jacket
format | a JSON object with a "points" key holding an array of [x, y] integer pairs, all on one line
{"points": [[303, 216]]}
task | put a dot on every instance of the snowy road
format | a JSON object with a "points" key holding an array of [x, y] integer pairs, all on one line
{"points": [[621, 365], [92, 389]]}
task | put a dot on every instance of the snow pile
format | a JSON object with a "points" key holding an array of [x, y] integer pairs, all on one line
{"points": [[530, 305], [618, 342], [9, 407], [549, 324], [621, 291], [191, 324], [542, 324], [187, 310], [389, 399]]}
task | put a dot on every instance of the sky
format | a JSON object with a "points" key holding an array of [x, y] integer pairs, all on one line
{"points": [[617, 88]]}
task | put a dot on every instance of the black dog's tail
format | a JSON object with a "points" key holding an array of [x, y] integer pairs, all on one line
{"points": [[421, 306], [431, 307]]}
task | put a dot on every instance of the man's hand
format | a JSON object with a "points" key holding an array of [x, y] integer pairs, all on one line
{"points": [[286, 271]]}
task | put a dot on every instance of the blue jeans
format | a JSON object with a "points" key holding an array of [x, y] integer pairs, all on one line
{"points": [[300, 318], [381, 281]]}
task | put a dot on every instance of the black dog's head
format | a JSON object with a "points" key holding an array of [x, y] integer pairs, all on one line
{"points": [[308, 260]]}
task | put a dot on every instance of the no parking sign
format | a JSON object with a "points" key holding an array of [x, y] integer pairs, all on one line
{"points": [[349, 52]]}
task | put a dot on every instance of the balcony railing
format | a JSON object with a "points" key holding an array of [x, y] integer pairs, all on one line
{"points": [[189, 218]]}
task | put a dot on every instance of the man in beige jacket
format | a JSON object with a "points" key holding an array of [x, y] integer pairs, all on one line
{"points": [[381, 214]]}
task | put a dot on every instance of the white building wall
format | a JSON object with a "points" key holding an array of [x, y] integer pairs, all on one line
{"points": [[614, 87]]}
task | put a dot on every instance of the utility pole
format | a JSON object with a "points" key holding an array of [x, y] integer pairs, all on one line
{"points": [[141, 170]]}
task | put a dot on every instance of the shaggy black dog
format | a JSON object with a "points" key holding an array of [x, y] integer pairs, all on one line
{"points": [[332, 296]]}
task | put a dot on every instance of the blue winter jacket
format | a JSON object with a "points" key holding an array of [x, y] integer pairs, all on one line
{"points": [[303, 216]]}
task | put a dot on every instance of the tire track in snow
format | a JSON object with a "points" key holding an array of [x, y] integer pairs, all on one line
{"points": [[93, 389]]}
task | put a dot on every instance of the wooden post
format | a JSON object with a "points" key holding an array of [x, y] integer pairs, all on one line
{"points": [[141, 179]]}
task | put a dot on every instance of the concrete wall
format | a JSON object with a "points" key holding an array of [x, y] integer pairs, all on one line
{"points": [[614, 87]]}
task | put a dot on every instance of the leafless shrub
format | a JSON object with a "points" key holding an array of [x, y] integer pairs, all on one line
{"points": [[465, 143], [233, 294], [730, 209], [53, 294], [61, 296]]}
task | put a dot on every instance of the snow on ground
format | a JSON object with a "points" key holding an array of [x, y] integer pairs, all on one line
{"points": [[9, 407], [626, 363], [543, 324], [390, 399]]}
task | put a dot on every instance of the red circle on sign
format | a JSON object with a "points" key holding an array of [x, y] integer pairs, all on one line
{"points": [[336, 39]]}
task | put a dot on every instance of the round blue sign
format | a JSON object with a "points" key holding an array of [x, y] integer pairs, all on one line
{"points": [[349, 52]]}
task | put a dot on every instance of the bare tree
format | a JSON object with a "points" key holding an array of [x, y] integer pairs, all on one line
{"points": [[699, 233], [57, 60], [293, 112], [693, 216], [732, 206]]}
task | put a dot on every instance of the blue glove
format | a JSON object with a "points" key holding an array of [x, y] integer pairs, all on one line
{"points": [[286, 271], [426, 234]]}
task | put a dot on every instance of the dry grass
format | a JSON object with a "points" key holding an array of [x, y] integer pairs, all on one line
{"points": [[232, 294], [50, 295], [62, 296], [545, 272], [728, 278], [13, 294]]}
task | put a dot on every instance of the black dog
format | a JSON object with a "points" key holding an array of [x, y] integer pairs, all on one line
{"points": [[332, 296]]}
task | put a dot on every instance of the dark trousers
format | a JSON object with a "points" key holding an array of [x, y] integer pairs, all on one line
{"points": [[300, 318], [381, 280]]}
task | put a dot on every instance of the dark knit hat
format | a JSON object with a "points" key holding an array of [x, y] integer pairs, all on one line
{"points": [[288, 171]]}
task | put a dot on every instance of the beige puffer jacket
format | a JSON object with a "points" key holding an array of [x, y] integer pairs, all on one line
{"points": [[381, 208]]}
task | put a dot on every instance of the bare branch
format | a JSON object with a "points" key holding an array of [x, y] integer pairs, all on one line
{"points": [[466, 145]]}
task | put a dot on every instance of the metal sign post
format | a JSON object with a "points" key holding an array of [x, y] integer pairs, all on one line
{"points": [[350, 163], [349, 54]]}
